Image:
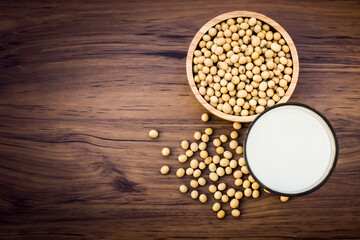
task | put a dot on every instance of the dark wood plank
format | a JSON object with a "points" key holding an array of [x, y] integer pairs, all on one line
{"points": [[83, 82]]}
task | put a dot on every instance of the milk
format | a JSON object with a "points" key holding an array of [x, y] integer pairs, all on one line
{"points": [[290, 149]]}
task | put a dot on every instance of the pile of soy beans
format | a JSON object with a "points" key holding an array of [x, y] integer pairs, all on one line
{"points": [[208, 172], [242, 66]]}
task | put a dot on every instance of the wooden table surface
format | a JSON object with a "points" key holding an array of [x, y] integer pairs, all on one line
{"points": [[82, 83]]}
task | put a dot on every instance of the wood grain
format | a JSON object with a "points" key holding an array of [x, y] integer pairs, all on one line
{"points": [[82, 83], [218, 19]]}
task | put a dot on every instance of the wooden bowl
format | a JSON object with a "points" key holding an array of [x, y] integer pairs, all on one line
{"points": [[221, 18]]}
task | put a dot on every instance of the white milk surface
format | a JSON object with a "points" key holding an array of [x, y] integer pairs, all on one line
{"points": [[290, 149]]}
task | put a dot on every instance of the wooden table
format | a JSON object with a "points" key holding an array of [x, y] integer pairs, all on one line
{"points": [[82, 84]]}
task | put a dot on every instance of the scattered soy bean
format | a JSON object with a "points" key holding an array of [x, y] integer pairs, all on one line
{"points": [[213, 176], [223, 138], [227, 154], [189, 153], [153, 133], [180, 172], [205, 117], [212, 167], [239, 150], [202, 165], [194, 163], [238, 174], [239, 195], [234, 134], [221, 186], [203, 198], [205, 138], [246, 184], [216, 159], [194, 146], [183, 188], [233, 144], [182, 158], [208, 131], [189, 171], [164, 169], [204, 154], [228, 170], [216, 207], [202, 146], [241, 162], [245, 170], [184, 144], [224, 198], [197, 135], [220, 171], [220, 150], [224, 162], [251, 179], [194, 194], [255, 194], [202, 181], [220, 214], [197, 173], [216, 142], [234, 203], [284, 198], [212, 188], [217, 195], [235, 212], [208, 160], [247, 192], [165, 151], [194, 183], [255, 186], [233, 164], [238, 182], [237, 125], [230, 192]]}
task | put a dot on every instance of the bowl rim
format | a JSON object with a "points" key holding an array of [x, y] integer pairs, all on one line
{"points": [[213, 22], [315, 187]]}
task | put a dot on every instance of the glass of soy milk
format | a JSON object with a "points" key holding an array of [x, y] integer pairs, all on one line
{"points": [[291, 149]]}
